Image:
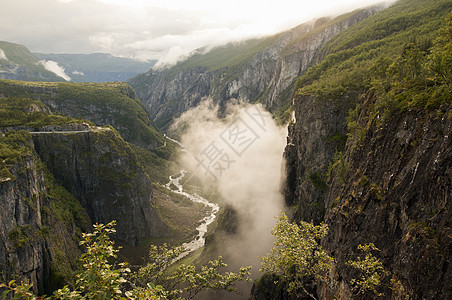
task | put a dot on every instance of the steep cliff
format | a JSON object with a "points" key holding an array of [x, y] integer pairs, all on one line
{"points": [[261, 70], [369, 152], [112, 103], [398, 196], [40, 222], [102, 172], [57, 176]]}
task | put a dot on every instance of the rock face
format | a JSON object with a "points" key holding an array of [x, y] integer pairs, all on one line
{"points": [[39, 226], [318, 133], [399, 196], [393, 189], [89, 176], [101, 171], [267, 76], [20, 218]]}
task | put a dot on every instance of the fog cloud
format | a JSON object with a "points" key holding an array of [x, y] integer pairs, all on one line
{"points": [[156, 29], [241, 155], [53, 66], [3, 55]]}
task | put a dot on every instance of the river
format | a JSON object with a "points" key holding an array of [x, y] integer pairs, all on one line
{"points": [[200, 239]]}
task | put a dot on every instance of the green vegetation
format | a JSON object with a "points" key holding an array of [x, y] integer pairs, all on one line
{"points": [[296, 256], [228, 56], [338, 168], [355, 56], [21, 111], [157, 163], [318, 180], [179, 213], [298, 260], [15, 146], [111, 103], [372, 271], [20, 56], [21, 235], [419, 78], [63, 206], [100, 279]]}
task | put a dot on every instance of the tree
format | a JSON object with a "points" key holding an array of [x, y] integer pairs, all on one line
{"points": [[185, 281], [372, 271], [296, 255], [101, 279]]}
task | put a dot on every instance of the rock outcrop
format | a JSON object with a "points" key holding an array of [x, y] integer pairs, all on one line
{"points": [[100, 170], [40, 224], [398, 195], [22, 248]]}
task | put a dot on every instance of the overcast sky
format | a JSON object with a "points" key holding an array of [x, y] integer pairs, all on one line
{"points": [[160, 29]]}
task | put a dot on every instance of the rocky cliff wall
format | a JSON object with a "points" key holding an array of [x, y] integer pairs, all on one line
{"points": [[268, 76], [398, 195], [391, 186], [22, 248], [59, 182], [100, 170], [317, 134], [40, 225]]}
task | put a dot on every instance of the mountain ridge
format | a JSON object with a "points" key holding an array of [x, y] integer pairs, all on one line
{"points": [[262, 70], [19, 63]]}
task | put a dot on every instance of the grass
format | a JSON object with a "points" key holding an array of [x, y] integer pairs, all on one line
{"points": [[26, 112]]}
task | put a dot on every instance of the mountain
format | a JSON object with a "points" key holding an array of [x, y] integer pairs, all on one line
{"points": [[368, 100], [97, 67], [369, 150], [111, 103], [17, 62], [58, 175], [260, 70]]}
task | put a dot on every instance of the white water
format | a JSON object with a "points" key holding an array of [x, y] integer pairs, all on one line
{"points": [[199, 240], [177, 142]]}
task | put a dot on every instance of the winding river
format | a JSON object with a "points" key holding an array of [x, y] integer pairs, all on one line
{"points": [[200, 239]]}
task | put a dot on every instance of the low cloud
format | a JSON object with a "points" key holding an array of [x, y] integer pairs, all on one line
{"points": [[164, 30], [78, 73], [3, 55], [55, 68], [241, 156]]}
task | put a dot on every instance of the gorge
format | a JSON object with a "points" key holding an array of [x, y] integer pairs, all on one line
{"points": [[341, 121]]}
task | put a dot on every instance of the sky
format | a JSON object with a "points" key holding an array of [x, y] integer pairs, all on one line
{"points": [[153, 29]]}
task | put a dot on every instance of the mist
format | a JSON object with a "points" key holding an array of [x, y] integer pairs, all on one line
{"points": [[151, 29], [3, 55], [53, 67], [241, 156]]}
